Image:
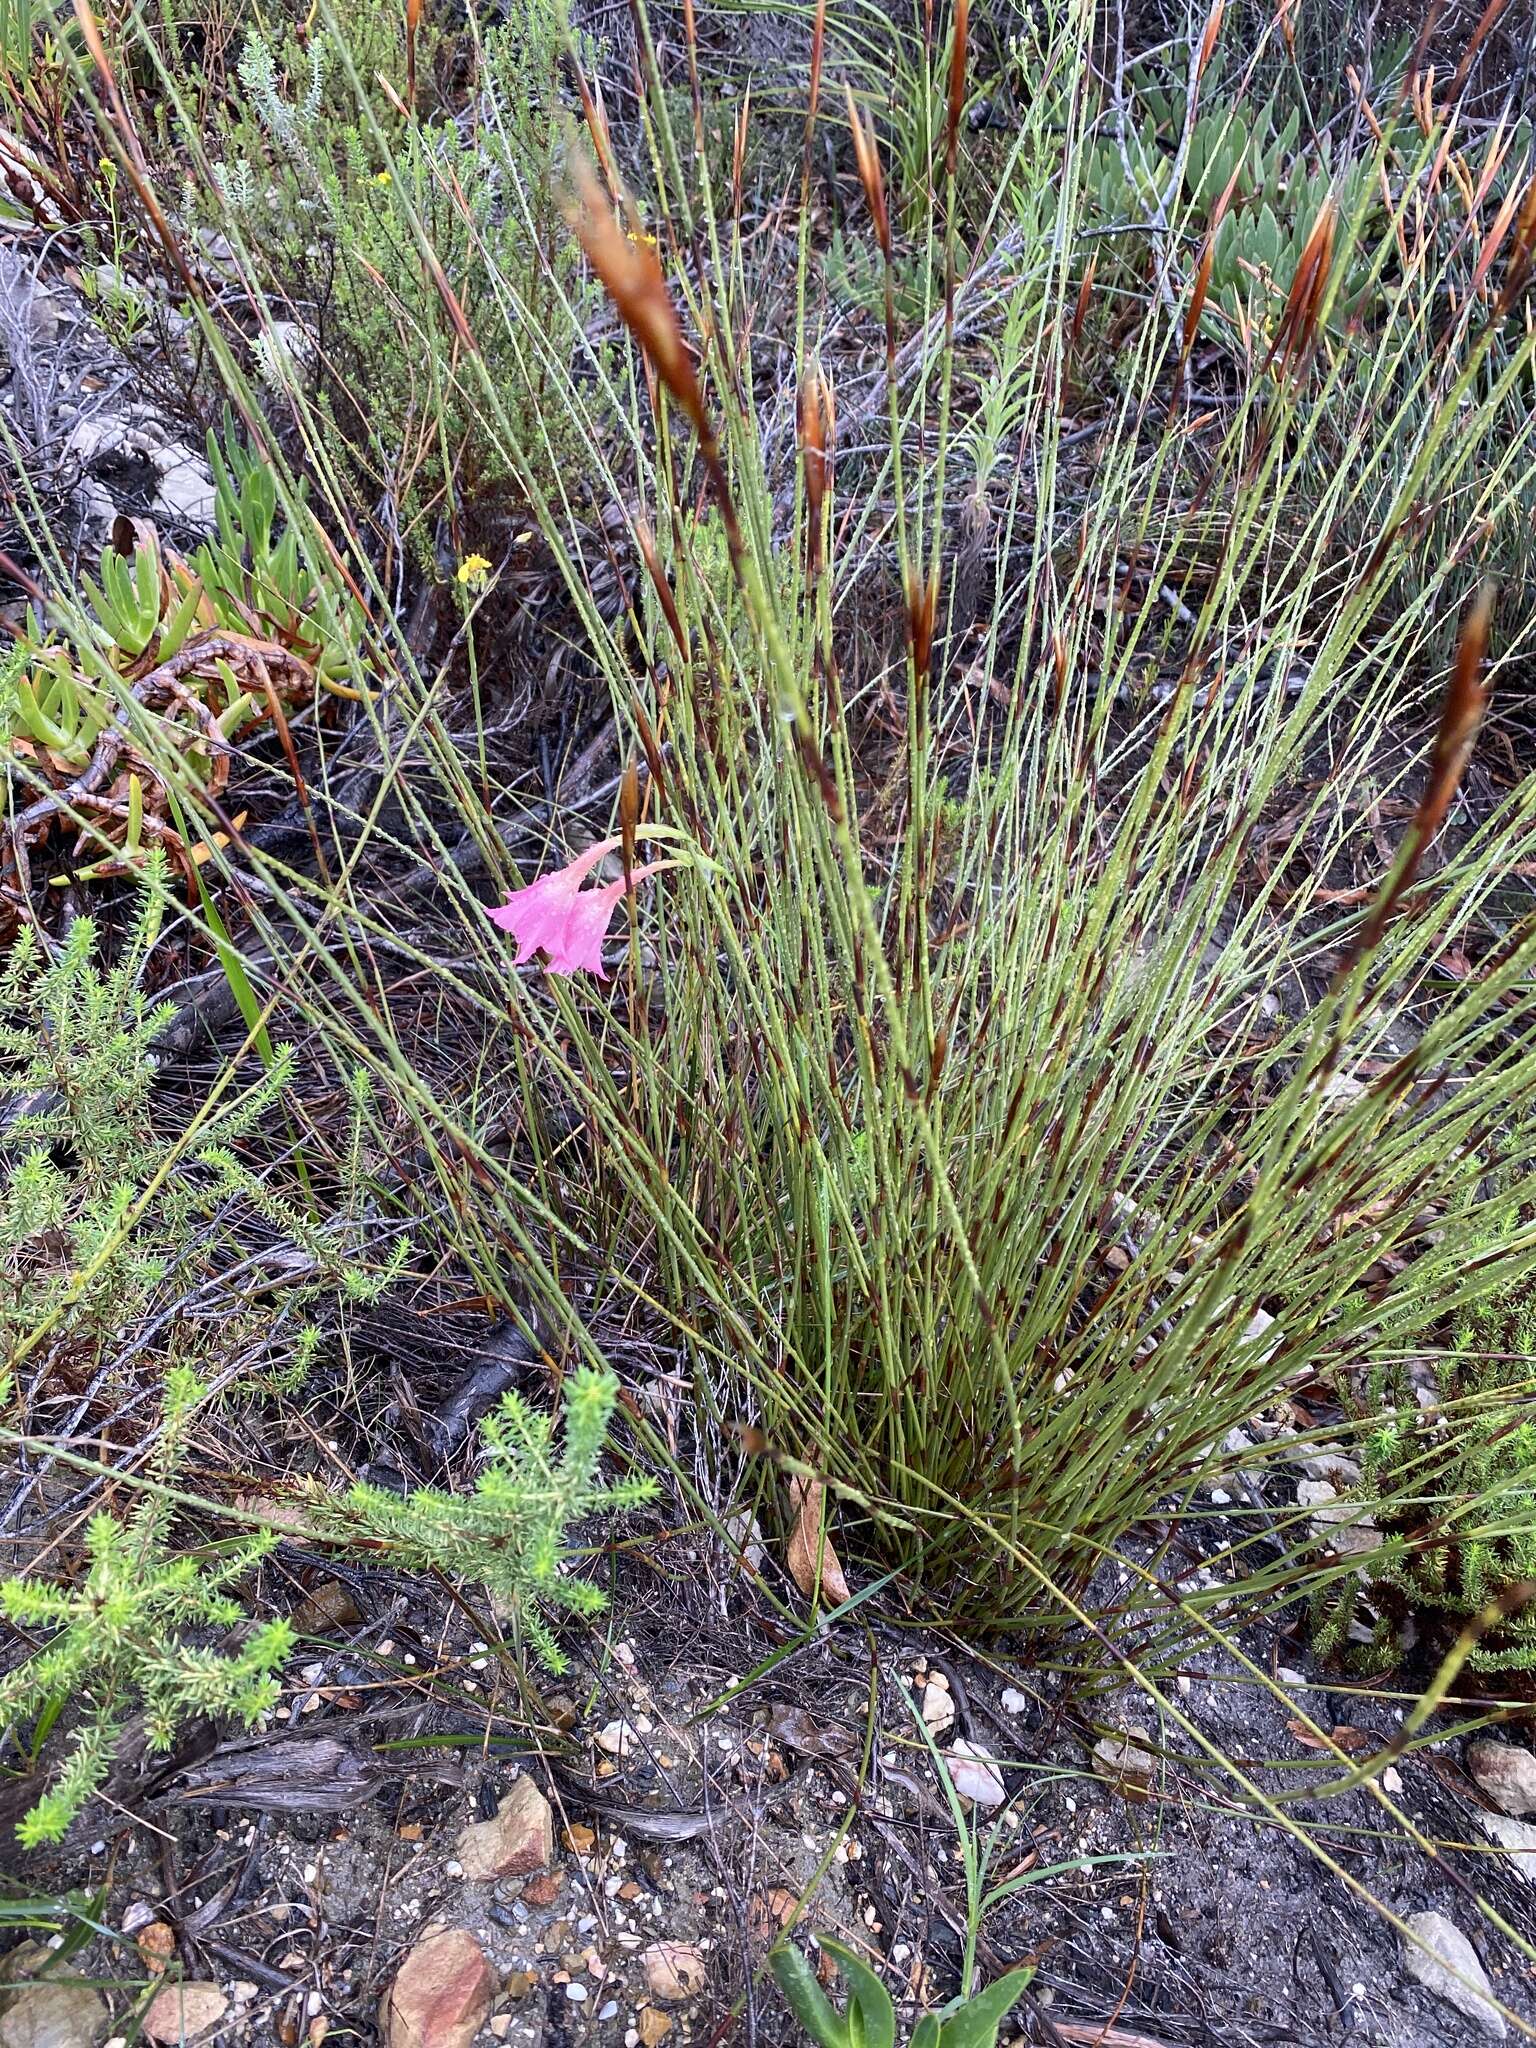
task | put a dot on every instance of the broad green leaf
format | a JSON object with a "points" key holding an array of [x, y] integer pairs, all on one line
{"points": [[975, 2025], [871, 2016], [796, 1978]]}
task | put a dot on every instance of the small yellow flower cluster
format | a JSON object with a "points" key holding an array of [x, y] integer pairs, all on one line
{"points": [[473, 571]]}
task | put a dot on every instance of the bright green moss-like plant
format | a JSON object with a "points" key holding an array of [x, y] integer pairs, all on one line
{"points": [[105, 1219], [1452, 1486], [512, 1533], [122, 1636]]}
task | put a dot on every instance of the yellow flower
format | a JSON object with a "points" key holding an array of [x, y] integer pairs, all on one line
{"points": [[473, 571], [381, 177], [641, 241]]}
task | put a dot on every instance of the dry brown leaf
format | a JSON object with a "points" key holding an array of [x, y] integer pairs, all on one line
{"points": [[769, 1914], [1350, 1740], [810, 1556]]}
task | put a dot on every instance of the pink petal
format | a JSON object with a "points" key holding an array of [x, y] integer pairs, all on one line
{"points": [[581, 942], [582, 865], [554, 915]]}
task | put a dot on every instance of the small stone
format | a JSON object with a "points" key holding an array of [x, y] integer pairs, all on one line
{"points": [[519, 1983], [746, 1539], [1517, 1838], [1013, 1701], [185, 2012], [577, 1993], [1328, 1462], [542, 1890], [440, 1995], [616, 1739], [501, 2024], [156, 1945], [1126, 1762], [1343, 1524], [580, 1840], [1447, 1966], [974, 1774], [52, 2015], [654, 2025], [938, 1709], [328, 1606], [672, 1970], [1505, 1773], [517, 1840]]}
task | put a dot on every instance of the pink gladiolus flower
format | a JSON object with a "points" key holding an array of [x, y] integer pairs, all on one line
{"points": [[567, 922]]}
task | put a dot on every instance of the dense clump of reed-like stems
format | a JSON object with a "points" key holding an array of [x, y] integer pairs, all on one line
{"points": [[1036, 1060]]}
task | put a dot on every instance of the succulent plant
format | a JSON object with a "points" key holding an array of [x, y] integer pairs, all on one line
{"points": [[260, 582], [133, 607], [50, 705], [1244, 173], [199, 648]]}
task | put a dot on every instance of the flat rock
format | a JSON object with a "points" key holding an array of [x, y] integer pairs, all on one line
{"points": [[1126, 1762], [1447, 1966], [185, 2012], [617, 1738], [938, 1709], [1505, 1773], [49, 2015], [1343, 1524], [673, 1970], [974, 1774], [1517, 1838], [441, 1994], [517, 1841]]}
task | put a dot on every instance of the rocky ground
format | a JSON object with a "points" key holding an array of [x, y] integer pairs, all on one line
{"points": [[419, 1851]]}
